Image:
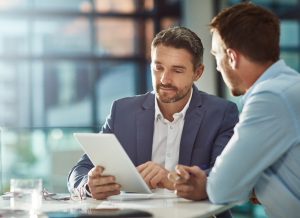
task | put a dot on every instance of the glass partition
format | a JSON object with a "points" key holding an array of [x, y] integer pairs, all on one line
{"points": [[46, 153]]}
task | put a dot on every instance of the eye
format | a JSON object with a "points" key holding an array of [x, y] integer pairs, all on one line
{"points": [[158, 68], [177, 71]]}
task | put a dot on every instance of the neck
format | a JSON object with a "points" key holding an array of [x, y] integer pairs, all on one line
{"points": [[169, 109]]}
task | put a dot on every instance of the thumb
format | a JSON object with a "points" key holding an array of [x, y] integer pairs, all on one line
{"points": [[183, 171], [196, 171]]}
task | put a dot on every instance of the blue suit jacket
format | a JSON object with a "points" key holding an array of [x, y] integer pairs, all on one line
{"points": [[208, 126]]}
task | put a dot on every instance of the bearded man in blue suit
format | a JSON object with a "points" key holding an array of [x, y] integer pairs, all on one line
{"points": [[174, 124]]}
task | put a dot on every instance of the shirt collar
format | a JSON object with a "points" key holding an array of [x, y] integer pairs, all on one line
{"points": [[273, 71], [158, 113]]}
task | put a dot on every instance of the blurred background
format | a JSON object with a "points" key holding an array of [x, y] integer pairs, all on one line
{"points": [[63, 63]]}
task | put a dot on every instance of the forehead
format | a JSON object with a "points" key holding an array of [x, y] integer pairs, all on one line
{"points": [[168, 54], [217, 43]]}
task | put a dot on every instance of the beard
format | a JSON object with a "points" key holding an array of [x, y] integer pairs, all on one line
{"points": [[232, 80], [177, 96]]}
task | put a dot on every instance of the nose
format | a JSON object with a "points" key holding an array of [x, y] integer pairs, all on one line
{"points": [[166, 77]]}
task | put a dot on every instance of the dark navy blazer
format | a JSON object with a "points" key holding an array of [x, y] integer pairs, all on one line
{"points": [[208, 126]]}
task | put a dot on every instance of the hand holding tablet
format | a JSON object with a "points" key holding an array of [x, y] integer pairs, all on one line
{"points": [[104, 150], [101, 187]]}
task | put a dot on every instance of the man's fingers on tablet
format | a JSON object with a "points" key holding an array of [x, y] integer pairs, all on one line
{"points": [[107, 188], [141, 167], [147, 180], [145, 172], [155, 180], [104, 195], [103, 180], [150, 175], [99, 169], [95, 172]]}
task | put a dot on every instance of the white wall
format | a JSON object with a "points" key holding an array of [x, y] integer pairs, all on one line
{"points": [[197, 14]]}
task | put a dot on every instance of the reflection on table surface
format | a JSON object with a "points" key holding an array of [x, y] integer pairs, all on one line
{"points": [[157, 204]]}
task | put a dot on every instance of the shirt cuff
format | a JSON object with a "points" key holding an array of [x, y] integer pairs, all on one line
{"points": [[87, 192]]}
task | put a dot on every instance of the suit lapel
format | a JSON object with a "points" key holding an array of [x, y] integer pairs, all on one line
{"points": [[145, 129], [193, 119]]}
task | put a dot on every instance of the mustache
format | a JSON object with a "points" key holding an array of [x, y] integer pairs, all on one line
{"points": [[166, 86]]}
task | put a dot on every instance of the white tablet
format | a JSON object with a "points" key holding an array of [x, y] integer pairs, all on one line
{"points": [[106, 151]]}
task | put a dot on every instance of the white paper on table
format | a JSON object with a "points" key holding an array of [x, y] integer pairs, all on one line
{"points": [[49, 206], [134, 204], [134, 196], [129, 196], [163, 195]]}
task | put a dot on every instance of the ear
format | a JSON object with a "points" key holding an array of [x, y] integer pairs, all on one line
{"points": [[233, 58], [199, 72]]}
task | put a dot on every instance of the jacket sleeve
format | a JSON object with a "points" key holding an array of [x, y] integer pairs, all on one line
{"points": [[78, 174], [230, 119]]}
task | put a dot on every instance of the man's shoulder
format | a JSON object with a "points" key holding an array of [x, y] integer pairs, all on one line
{"points": [[134, 101], [281, 84], [209, 100]]}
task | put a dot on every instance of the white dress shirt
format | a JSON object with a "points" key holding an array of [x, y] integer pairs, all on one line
{"points": [[166, 139]]}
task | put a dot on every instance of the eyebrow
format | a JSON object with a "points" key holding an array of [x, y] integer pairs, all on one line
{"points": [[175, 66], [181, 67]]}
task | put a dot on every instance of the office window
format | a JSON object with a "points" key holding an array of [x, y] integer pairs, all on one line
{"points": [[56, 47], [13, 36], [58, 5], [149, 34], [116, 37], [61, 36], [15, 82], [289, 36], [62, 64], [167, 22], [114, 80], [118, 6], [55, 55], [13, 5], [290, 43], [291, 59]]}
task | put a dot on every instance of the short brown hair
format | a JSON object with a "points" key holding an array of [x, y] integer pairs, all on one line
{"points": [[252, 30], [181, 37]]}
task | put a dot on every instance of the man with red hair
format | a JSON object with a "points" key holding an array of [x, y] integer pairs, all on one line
{"points": [[262, 159]]}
